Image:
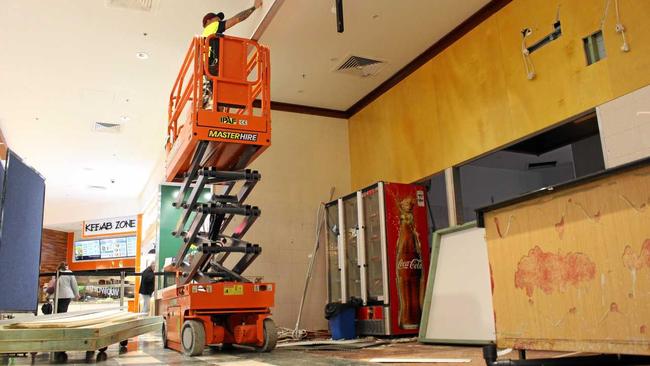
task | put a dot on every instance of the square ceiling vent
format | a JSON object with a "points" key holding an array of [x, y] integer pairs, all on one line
{"points": [[360, 66], [140, 5], [107, 127]]}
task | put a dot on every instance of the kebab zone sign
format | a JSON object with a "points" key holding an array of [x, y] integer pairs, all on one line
{"points": [[110, 227]]}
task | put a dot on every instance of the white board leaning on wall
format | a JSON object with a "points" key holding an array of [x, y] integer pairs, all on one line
{"points": [[458, 301]]}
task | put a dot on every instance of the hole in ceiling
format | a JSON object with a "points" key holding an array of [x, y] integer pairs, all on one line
{"points": [[360, 66], [97, 187], [107, 127]]}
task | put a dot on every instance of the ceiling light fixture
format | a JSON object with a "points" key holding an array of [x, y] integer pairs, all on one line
{"points": [[142, 55]]}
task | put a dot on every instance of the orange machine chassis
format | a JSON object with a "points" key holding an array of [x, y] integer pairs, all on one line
{"points": [[230, 313]]}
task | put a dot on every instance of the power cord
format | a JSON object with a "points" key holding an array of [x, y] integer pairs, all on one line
{"points": [[620, 29], [525, 54]]}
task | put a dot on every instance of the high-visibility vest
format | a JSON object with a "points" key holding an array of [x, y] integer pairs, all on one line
{"points": [[210, 29]]}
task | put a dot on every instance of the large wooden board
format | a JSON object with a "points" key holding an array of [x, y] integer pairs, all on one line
{"points": [[91, 319], [74, 332], [571, 269]]}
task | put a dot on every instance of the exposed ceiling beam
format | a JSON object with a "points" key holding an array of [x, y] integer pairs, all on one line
{"points": [[267, 20]]}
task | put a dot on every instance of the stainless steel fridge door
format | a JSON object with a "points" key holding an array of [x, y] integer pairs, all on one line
{"points": [[375, 248], [352, 270], [332, 252], [342, 253], [361, 247]]}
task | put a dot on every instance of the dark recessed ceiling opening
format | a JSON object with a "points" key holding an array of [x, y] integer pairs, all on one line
{"points": [[561, 154], [565, 134]]}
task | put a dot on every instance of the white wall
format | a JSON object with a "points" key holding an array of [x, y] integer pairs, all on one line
{"points": [[625, 128], [308, 155]]}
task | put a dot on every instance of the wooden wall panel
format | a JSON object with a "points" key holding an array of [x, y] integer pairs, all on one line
{"points": [[631, 70], [474, 97], [564, 85], [571, 269], [53, 251]]}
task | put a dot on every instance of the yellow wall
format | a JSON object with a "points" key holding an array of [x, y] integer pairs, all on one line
{"points": [[474, 97]]}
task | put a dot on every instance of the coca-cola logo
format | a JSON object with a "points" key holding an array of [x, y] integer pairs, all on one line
{"points": [[414, 263]]}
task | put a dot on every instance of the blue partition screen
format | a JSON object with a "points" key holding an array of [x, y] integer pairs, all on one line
{"points": [[21, 228]]}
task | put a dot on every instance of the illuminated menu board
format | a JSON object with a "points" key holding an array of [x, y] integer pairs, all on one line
{"points": [[109, 248]]}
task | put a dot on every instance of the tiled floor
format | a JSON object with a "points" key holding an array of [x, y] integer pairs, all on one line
{"points": [[148, 350]]}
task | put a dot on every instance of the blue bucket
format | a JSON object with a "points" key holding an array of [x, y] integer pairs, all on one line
{"points": [[342, 325]]}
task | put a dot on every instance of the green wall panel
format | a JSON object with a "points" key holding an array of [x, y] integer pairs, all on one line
{"points": [[169, 215]]}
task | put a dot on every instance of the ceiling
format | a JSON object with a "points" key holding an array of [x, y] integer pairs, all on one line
{"points": [[305, 46], [72, 63]]}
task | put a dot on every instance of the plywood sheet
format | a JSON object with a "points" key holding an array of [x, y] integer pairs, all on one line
{"points": [[571, 270], [458, 303]]}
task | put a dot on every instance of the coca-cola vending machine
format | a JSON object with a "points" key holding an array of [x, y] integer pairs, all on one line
{"points": [[378, 251]]}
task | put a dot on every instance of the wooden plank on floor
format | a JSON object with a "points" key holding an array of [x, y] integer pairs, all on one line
{"points": [[74, 322], [91, 344], [95, 331]]}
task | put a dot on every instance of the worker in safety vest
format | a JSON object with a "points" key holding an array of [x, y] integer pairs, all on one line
{"points": [[215, 24]]}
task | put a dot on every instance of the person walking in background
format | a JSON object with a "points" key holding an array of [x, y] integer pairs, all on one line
{"points": [[48, 290], [68, 289], [147, 286]]}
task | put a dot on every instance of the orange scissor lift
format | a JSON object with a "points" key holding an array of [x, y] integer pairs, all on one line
{"points": [[212, 138]]}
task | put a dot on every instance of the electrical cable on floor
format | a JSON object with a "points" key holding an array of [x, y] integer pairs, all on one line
{"points": [[403, 340], [297, 333]]}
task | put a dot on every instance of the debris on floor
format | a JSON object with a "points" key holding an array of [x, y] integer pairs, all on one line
{"points": [[332, 345], [420, 360]]}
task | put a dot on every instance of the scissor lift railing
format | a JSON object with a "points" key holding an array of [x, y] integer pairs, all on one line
{"points": [[235, 117]]}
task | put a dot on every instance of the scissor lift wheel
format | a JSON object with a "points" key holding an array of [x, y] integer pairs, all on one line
{"points": [[164, 335], [270, 336], [193, 337]]}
